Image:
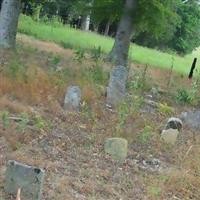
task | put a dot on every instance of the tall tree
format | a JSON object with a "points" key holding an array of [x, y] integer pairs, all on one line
{"points": [[120, 50], [83, 8], [9, 17], [158, 17], [187, 35]]}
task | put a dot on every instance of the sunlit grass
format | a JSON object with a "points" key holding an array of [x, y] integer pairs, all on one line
{"points": [[72, 38]]}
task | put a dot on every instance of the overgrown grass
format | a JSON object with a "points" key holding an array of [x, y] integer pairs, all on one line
{"points": [[72, 38]]}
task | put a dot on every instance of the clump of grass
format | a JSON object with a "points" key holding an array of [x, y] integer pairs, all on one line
{"points": [[155, 191], [165, 109], [96, 54], [5, 119], [39, 122], [145, 135], [23, 124], [183, 96], [80, 55], [128, 107], [140, 81], [95, 74], [15, 69]]}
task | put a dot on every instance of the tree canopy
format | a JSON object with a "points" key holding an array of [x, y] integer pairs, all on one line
{"points": [[162, 24]]}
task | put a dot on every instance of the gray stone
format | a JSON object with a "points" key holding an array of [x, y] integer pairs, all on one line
{"points": [[117, 148], [174, 123], [116, 90], [28, 178], [149, 106], [72, 99], [169, 136], [151, 164], [191, 119]]}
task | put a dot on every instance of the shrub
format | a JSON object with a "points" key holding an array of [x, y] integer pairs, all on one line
{"points": [[183, 96]]}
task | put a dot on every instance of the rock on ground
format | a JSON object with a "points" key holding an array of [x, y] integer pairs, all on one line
{"points": [[116, 90], [117, 148], [174, 123], [72, 99]]}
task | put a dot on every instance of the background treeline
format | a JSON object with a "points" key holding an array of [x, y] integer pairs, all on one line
{"points": [[169, 25]]}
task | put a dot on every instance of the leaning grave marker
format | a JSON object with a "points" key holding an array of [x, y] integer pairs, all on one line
{"points": [[28, 178]]}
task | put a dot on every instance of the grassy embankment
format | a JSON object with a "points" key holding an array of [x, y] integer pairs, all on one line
{"points": [[72, 38]]}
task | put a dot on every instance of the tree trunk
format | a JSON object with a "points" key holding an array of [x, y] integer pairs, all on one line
{"points": [[119, 53], [85, 23], [96, 27], [9, 17], [107, 29]]}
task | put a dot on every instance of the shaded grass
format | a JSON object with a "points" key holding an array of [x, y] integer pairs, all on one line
{"points": [[72, 38]]}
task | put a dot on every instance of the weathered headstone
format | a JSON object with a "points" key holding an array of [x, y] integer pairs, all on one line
{"points": [[169, 136], [174, 123], [191, 119], [116, 90], [117, 148], [72, 99], [29, 179]]}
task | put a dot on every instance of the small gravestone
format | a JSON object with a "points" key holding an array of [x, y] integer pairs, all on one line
{"points": [[117, 148], [169, 136], [72, 99], [29, 179], [174, 123], [116, 90]]}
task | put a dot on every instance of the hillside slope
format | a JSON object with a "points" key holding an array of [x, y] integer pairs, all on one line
{"points": [[34, 129]]}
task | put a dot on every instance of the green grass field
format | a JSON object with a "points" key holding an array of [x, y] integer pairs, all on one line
{"points": [[72, 38]]}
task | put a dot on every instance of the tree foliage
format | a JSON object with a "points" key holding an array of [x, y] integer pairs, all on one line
{"points": [[187, 35], [163, 24]]}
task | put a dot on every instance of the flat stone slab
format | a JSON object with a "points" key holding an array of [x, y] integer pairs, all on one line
{"points": [[117, 148], [28, 178]]}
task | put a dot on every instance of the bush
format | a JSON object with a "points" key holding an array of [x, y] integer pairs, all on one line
{"points": [[187, 36], [54, 21]]}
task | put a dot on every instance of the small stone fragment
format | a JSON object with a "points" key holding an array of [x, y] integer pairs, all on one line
{"points": [[117, 148], [72, 99], [28, 178], [169, 136], [174, 123]]}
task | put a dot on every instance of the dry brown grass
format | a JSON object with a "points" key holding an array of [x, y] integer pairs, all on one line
{"points": [[72, 151], [13, 106], [35, 89]]}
